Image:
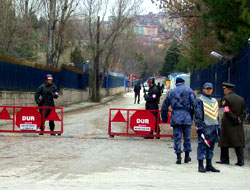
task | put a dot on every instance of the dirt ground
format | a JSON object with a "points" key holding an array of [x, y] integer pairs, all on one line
{"points": [[84, 157]]}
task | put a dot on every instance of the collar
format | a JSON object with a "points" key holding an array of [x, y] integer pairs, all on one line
{"points": [[208, 96], [48, 84], [179, 84]]}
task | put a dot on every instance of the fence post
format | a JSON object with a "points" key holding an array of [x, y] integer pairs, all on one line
{"points": [[107, 81]]}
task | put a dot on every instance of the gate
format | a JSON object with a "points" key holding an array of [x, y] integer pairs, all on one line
{"points": [[134, 122], [21, 119]]}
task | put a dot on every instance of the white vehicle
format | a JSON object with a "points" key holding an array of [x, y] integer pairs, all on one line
{"points": [[146, 87], [173, 77]]}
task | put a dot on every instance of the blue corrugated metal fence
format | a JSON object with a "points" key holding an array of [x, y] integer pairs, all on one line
{"points": [[18, 77], [236, 71]]}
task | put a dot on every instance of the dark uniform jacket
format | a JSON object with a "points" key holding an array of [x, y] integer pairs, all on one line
{"points": [[182, 101], [137, 89], [48, 93], [232, 134], [152, 98]]}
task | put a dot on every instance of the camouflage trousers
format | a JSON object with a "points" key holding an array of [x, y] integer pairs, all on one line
{"points": [[203, 151], [178, 131]]}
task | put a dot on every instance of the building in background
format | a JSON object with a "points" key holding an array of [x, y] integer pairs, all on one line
{"points": [[157, 28]]}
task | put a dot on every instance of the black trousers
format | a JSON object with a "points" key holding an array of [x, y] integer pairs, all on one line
{"points": [[46, 115], [157, 121], [224, 156], [154, 106], [137, 96]]}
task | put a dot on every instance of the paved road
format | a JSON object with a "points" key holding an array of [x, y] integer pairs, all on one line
{"points": [[85, 158]]}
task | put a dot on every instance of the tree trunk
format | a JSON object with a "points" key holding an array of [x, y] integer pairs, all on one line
{"points": [[95, 81], [51, 32]]}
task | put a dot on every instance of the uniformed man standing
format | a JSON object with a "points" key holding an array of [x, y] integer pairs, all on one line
{"points": [[137, 91], [182, 100], [47, 91], [232, 134], [207, 123], [152, 99]]}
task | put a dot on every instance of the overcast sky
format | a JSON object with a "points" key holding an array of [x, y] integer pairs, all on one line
{"points": [[147, 7]]}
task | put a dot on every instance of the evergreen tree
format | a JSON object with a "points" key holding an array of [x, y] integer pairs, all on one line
{"points": [[230, 20], [76, 56], [171, 59]]}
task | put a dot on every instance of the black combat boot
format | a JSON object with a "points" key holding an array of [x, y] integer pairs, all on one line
{"points": [[187, 157], [178, 161], [209, 166], [201, 167]]}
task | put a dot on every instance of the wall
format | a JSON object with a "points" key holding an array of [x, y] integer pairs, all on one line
{"points": [[112, 91], [247, 136], [66, 97]]}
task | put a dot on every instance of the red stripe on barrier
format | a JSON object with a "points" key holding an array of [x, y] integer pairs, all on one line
{"points": [[4, 114], [118, 117], [53, 116]]}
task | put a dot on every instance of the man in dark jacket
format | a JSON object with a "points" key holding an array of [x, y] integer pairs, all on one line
{"points": [[152, 99], [137, 91], [48, 91], [232, 134], [160, 90], [182, 100]]}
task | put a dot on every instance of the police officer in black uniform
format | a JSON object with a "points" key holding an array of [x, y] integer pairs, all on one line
{"points": [[47, 91], [232, 133], [137, 90], [152, 99]]}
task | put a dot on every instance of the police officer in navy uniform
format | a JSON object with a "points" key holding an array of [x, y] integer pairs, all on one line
{"points": [[208, 128], [232, 133], [152, 99], [182, 101], [48, 92]]}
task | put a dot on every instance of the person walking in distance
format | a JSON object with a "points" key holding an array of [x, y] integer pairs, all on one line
{"points": [[137, 91]]}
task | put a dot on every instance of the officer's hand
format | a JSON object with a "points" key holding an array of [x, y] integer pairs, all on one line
{"points": [[239, 120], [199, 131]]}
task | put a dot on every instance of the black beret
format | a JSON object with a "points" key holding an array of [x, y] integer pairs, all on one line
{"points": [[179, 80]]}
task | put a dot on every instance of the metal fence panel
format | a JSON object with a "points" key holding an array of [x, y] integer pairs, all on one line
{"points": [[236, 71]]}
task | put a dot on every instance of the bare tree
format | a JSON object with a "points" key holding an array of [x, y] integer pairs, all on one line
{"points": [[16, 32], [59, 13], [102, 36]]}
